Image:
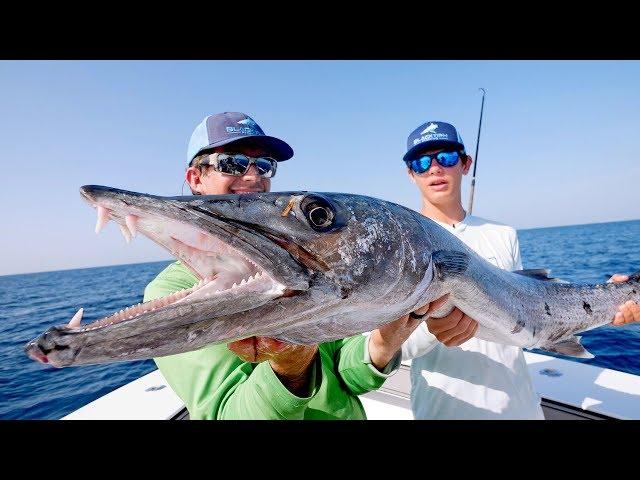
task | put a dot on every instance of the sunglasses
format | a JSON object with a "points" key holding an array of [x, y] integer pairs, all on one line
{"points": [[445, 159], [238, 164]]}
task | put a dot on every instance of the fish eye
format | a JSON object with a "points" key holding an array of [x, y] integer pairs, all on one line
{"points": [[320, 217], [319, 212]]}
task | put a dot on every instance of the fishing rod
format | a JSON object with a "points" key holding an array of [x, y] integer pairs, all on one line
{"points": [[475, 160]]}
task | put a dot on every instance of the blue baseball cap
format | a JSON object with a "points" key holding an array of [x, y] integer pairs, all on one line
{"points": [[432, 135], [228, 127]]}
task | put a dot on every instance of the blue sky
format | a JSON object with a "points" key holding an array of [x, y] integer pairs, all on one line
{"points": [[558, 143]]}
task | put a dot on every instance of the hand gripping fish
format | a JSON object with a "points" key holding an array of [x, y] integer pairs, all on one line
{"points": [[307, 268]]}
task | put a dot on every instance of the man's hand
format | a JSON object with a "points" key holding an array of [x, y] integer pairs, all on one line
{"points": [[291, 363], [629, 311], [453, 329]]}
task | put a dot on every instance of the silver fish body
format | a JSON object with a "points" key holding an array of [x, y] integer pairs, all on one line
{"points": [[308, 267]]}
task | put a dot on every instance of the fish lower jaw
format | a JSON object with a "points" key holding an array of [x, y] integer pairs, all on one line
{"points": [[208, 287]]}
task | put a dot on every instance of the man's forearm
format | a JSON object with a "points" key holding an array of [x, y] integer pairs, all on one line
{"points": [[296, 376], [381, 352]]}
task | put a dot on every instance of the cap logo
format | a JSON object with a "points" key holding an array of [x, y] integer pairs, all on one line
{"points": [[248, 121], [249, 127], [430, 134], [430, 129]]}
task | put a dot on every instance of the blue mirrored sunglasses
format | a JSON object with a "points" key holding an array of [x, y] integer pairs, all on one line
{"points": [[445, 159]]}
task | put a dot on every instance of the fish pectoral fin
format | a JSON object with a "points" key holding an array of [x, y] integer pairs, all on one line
{"points": [[539, 274], [449, 263], [571, 347]]}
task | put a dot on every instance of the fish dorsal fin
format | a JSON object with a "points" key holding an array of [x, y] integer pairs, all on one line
{"points": [[539, 274], [571, 347]]}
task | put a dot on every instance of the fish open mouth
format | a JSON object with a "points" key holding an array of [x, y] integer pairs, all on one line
{"points": [[220, 267]]}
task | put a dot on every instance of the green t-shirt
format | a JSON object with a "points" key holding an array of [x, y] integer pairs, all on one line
{"points": [[216, 384]]}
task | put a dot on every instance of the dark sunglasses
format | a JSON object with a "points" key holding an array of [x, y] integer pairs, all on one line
{"points": [[238, 164], [445, 159]]}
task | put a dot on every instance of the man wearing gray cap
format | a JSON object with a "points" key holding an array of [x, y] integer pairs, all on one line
{"points": [[264, 378]]}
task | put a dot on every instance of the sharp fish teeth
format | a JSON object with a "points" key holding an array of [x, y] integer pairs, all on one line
{"points": [[75, 321], [103, 218], [131, 221], [125, 231]]}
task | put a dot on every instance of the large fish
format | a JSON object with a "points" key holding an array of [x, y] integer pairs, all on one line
{"points": [[309, 267]]}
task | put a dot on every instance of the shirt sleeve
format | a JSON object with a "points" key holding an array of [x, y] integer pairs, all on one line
{"points": [[214, 383], [515, 252], [419, 343], [355, 368]]}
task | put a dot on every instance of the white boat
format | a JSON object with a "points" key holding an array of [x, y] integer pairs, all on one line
{"points": [[568, 389]]}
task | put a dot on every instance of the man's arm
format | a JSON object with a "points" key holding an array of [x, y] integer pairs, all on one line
{"points": [[355, 366]]}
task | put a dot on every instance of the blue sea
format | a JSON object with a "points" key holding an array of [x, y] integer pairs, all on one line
{"points": [[31, 303]]}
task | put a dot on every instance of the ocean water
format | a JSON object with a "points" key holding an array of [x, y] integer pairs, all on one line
{"points": [[31, 303]]}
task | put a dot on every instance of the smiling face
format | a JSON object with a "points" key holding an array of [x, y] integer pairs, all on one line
{"points": [[440, 185]]}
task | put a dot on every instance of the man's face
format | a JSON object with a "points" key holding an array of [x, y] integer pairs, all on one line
{"points": [[441, 184], [206, 181]]}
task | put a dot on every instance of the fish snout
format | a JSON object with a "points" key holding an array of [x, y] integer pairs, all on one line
{"points": [[35, 352], [47, 348]]}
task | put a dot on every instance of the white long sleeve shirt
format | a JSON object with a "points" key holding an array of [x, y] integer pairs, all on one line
{"points": [[478, 379]]}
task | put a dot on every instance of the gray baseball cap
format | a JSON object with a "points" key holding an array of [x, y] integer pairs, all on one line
{"points": [[228, 127]]}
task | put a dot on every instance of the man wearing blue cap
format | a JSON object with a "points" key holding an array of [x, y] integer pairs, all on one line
{"points": [[453, 374], [264, 378]]}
